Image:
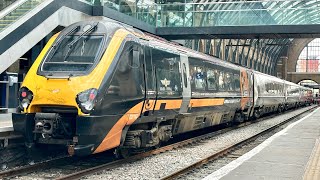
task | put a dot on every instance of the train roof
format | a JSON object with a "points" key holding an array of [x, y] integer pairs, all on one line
{"points": [[111, 27]]}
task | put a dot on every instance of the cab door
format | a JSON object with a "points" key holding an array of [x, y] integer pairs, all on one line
{"points": [[150, 82], [186, 87]]}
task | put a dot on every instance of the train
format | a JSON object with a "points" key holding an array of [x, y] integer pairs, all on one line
{"points": [[101, 85]]}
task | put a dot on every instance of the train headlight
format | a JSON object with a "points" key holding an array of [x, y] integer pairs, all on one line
{"points": [[25, 98], [86, 100], [25, 103]]}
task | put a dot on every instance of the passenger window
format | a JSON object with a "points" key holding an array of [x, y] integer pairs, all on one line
{"points": [[185, 78], [277, 88], [272, 88], [167, 72], [198, 77], [236, 82], [229, 82], [212, 79], [221, 81]]}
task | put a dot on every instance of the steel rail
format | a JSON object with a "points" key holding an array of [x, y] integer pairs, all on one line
{"points": [[30, 168], [117, 163], [230, 148]]}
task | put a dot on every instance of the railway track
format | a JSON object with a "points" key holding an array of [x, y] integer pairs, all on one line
{"points": [[66, 166], [228, 150], [111, 164], [11, 144]]}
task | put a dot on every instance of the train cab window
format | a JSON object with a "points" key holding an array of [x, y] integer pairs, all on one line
{"points": [[126, 83], [127, 80], [212, 79], [73, 54], [167, 72]]}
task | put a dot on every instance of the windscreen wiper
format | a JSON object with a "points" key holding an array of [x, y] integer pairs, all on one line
{"points": [[70, 45], [71, 32], [51, 76]]}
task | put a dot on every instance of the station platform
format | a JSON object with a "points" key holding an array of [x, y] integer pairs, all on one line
{"points": [[6, 122], [293, 153]]}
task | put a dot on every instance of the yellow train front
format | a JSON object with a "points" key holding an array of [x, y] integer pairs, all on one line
{"points": [[62, 99]]}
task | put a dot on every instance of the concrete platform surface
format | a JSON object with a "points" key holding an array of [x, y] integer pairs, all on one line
{"points": [[291, 154], [5, 122]]}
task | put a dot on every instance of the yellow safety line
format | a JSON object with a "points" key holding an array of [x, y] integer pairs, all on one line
{"points": [[312, 171]]}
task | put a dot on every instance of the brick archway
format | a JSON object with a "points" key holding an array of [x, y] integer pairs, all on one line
{"points": [[297, 77], [294, 51]]}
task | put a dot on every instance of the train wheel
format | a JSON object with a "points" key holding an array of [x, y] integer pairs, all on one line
{"points": [[286, 107], [256, 114], [279, 110], [238, 117]]}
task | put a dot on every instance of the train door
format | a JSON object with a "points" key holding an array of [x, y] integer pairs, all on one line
{"points": [[253, 93], [150, 82], [186, 87], [245, 89], [285, 91], [255, 89]]}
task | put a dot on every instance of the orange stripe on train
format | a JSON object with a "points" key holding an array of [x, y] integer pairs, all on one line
{"points": [[112, 139]]}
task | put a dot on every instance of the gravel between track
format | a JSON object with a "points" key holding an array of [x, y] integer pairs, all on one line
{"points": [[160, 165]]}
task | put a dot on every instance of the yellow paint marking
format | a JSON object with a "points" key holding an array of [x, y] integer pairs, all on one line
{"points": [[312, 171]]}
